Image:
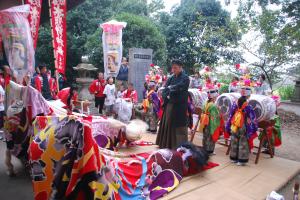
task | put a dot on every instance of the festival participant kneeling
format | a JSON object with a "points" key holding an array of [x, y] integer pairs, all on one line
{"points": [[68, 96], [242, 125], [210, 121], [173, 129]]}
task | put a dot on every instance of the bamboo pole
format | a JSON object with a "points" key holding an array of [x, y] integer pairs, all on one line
{"points": [[52, 33]]}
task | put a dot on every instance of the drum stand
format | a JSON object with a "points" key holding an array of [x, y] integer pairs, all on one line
{"points": [[264, 126], [198, 111]]}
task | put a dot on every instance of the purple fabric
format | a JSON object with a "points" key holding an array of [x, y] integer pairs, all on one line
{"points": [[156, 103], [104, 141], [166, 179], [191, 107], [37, 102], [144, 94], [251, 122]]}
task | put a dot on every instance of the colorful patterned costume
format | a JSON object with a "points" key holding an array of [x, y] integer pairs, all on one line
{"points": [[18, 125], [210, 126], [242, 126], [151, 105], [16, 134], [67, 163], [274, 133], [276, 136]]}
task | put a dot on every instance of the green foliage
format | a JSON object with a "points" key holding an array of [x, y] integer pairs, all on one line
{"points": [[197, 30], [44, 51], [286, 92], [280, 38], [140, 32], [226, 80], [84, 35], [224, 89]]}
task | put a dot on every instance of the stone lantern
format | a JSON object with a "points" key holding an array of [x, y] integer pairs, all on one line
{"points": [[85, 70]]}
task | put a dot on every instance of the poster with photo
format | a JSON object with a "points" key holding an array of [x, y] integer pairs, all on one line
{"points": [[112, 46], [17, 40]]}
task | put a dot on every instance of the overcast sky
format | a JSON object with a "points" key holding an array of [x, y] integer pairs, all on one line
{"points": [[170, 3]]}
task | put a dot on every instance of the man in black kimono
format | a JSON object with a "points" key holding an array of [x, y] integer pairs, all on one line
{"points": [[173, 129]]}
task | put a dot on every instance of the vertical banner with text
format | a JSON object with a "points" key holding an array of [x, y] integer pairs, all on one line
{"points": [[112, 46], [34, 18], [58, 12], [1, 49]]}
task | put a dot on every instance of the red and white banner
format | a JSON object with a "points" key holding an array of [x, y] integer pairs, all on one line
{"points": [[1, 49], [34, 18], [58, 11]]}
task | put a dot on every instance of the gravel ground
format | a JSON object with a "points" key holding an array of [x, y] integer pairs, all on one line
{"points": [[290, 136], [290, 147]]}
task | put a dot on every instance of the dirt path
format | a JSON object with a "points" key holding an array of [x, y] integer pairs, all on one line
{"points": [[290, 147]]}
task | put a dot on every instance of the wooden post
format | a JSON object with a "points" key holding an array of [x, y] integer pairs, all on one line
{"points": [[194, 130], [228, 149], [52, 33], [270, 144], [259, 149], [57, 80]]}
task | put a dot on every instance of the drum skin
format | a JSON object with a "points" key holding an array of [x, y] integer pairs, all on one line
{"points": [[198, 97], [263, 106], [225, 101]]}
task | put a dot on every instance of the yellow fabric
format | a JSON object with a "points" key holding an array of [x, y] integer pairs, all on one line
{"points": [[238, 119], [204, 120], [146, 102]]}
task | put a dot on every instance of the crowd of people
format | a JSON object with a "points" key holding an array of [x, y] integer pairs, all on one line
{"points": [[166, 104], [241, 126], [106, 92]]}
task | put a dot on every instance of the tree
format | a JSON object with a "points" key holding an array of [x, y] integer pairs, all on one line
{"points": [[198, 31], [140, 32], [83, 34], [269, 45]]}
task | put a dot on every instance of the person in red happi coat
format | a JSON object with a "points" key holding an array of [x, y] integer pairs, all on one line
{"points": [[68, 96], [97, 88]]}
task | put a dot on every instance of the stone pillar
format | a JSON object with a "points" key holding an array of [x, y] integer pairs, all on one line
{"points": [[83, 90], [296, 97], [139, 64]]}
